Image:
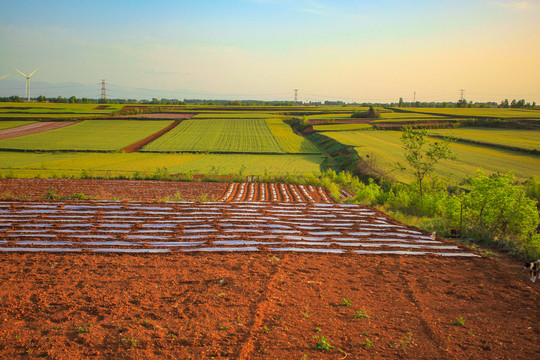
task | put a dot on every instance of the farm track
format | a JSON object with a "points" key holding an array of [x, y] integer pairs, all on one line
{"points": [[272, 192], [138, 227], [140, 144], [34, 128]]}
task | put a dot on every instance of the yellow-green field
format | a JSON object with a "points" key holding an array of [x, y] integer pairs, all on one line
{"points": [[341, 127], [11, 124], [103, 164], [89, 135], [503, 113], [386, 148], [522, 139], [232, 136]]}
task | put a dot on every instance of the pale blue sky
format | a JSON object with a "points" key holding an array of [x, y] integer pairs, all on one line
{"points": [[351, 50]]}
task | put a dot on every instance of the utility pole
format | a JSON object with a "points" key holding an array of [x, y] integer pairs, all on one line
{"points": [[295, 97], [462, 91], [103, 91], [414, 97]]}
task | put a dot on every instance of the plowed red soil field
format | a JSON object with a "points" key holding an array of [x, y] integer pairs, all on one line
{"points": [[33, 128], [247, 280]]}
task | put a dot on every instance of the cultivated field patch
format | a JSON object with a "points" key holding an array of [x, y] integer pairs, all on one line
{"points": [[385, 148], [30, 127], [89, 135], [502, 113], [526, 140], [29, 164], [214, 226], [232, 136], [275, 192], [12, 124]]}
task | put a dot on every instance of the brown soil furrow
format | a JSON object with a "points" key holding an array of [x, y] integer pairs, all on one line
{"points": [[34, 128], [438, 343], [324, 196], [263, 194], [235, 192], [227, 195], [241, 192], [306, 194], [296, 194], [273, 193], [264, 306], [284, 193], [253, 192], [140, 144]]}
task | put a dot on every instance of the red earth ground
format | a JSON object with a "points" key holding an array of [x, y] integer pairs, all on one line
{"points": [[33, 128], [257, 305]]}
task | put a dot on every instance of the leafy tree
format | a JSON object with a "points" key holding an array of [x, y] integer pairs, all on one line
{"points": [[420, 159], [497, 206], [400, 102]]}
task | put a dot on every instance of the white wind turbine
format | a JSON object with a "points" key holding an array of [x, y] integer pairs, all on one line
{"points": [[27, 82], [4, 76]]}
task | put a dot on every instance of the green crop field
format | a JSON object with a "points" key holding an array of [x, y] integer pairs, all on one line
{"points": [[288, 140], [103, 164], [11, 124], [100, 135], [522, 139], [482, 112], [386, 149], [230, 136], [342, 127]]}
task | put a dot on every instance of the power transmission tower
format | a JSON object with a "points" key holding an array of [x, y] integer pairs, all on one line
{"points": [[462, 91], [295, 96], [103, 91], [414, 97]]}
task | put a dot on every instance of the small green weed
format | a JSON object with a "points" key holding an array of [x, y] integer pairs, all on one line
{"points": [[323, 345], [404, 342], [460, 321], [223, 328], [318, 329], [367, 344], [361, 314], [346, 302], [83, 329], [130, 341]]}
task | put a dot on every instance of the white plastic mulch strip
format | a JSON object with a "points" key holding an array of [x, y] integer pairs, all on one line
{"points": [[213, 227]]}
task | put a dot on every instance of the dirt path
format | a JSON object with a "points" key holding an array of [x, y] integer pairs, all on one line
{"points": [[34, 128], [140, 144]]}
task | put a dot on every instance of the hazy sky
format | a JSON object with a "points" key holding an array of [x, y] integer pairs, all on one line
{"points": [[359, 50]]}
